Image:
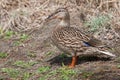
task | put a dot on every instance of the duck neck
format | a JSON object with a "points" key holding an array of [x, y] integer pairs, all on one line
{"points": [[64, 23]]}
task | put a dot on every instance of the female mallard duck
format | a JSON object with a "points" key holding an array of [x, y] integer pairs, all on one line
{"points": [[70, 39]]}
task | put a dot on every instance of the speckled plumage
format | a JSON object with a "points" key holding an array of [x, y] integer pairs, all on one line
{"points": [[70, 39]]}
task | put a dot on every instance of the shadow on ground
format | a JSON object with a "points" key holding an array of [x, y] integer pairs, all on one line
{"points": [[58, 60]]}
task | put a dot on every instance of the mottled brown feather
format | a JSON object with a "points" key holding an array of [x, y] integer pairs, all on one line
{"points": [[70, 39]]}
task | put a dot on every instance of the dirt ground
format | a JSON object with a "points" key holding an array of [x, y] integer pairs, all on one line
{"points": [[35, 58], [43, 54]]}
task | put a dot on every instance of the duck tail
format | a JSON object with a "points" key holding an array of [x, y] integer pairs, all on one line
{"points": [[107, 53]]}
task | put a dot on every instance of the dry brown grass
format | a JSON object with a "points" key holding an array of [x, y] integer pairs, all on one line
{"points": [[29, 15], [25, 15]]}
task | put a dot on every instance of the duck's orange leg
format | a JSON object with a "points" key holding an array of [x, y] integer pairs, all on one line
{"points": [[74, 60]]}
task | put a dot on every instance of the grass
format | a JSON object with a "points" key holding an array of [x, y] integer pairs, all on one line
{"points": [[43, 69], [63, 55], [14, 73], [26, 76], [49, 53], [8, 34], [31, 54], [63, 73], [118, 66], [17, 43], [3, 55], [1, 30], [19, 37], [118, 60], [86, 74], [24, 64], [97, 22], [23, 37]]}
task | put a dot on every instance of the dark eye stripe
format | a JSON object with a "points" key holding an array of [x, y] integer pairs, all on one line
{"points": [[61, 10]]}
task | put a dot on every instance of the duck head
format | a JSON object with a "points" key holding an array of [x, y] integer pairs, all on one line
{"points": [[62, 14]]}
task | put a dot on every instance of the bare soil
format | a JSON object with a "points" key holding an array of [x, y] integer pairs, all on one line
{"points": [[89, 67]]}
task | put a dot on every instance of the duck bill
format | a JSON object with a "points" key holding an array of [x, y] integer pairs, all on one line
{"points": [[52, 16]]}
